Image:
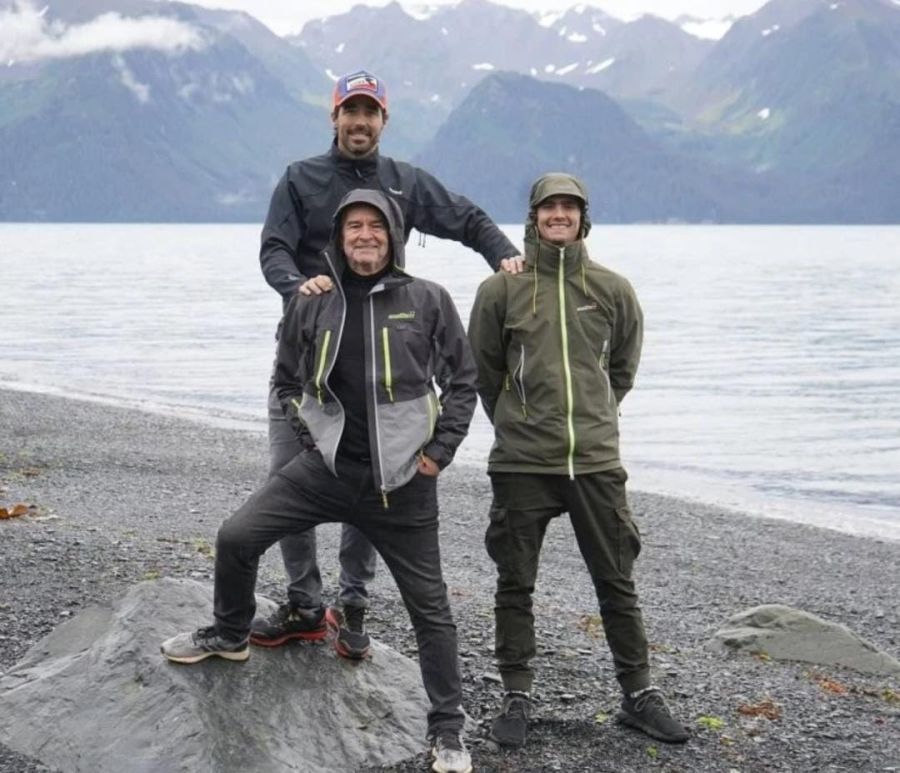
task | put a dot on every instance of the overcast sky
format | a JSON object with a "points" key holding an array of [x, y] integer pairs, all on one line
{"points": [[285, 16]]}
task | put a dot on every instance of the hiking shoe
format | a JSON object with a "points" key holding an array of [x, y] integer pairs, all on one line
{"points": [[351, 640], [510, 726], [286, 623], [450, 755], [202, 644], [647, 711]]}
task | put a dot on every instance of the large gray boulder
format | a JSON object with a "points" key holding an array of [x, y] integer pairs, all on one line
{"points": [[96, 695], [785, 633]]}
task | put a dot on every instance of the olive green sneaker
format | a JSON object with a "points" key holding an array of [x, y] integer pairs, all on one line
{"points": [[646, 710]]}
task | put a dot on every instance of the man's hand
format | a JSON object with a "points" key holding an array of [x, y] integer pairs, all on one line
{"points": [[427, 466], [513, 265], [318, 285]]}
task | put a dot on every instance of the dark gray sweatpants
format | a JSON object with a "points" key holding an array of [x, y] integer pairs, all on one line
{"points": [[305, 494]]}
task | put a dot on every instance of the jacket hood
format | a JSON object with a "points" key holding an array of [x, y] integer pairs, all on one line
{"points": [[556, 184], [392, 214]]}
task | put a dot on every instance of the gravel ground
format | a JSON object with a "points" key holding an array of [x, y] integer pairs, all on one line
{"points": [[120, 496]]}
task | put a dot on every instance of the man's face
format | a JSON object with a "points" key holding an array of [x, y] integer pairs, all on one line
{"points": [[559, 219], [358, 124], [364, 236]]}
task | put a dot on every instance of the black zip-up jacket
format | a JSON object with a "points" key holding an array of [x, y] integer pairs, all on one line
{"points": [[298, 225], [413, 338]]}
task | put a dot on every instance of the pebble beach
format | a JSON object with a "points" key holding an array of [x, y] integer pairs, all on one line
{"points": [[116, 496]]}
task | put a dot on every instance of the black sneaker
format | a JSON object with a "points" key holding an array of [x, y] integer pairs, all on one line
{"points": [[286, 623], [510, 726], [450, 754], [194, 646], [351, 640], [648, 712]]}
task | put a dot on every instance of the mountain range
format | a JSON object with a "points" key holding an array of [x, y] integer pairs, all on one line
{"points": [[142, 110]]}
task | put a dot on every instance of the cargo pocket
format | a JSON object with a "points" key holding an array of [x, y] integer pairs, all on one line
{"points": [[629, 540], [496, 539]]}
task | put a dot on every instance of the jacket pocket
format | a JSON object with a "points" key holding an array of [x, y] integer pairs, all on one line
{"points": [[518, 378]]}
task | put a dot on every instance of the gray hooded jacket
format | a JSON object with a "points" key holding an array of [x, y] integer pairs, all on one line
{"points": [[414, 340]]}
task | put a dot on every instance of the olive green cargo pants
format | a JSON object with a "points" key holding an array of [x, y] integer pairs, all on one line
{"points": [[522, 507]]}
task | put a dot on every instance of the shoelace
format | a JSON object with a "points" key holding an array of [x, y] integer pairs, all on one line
{"points": [[204, 634], [355, 619], [517, 707], [650, 696], [449, 741]]}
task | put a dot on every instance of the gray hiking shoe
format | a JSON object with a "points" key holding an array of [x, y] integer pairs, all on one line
{"points": [[510, 726], [351, 638], [647, 711], [192, 647], [450, 755]]}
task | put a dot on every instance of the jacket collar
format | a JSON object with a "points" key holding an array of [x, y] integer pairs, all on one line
{"points": [[543, 256], [362, 167]]}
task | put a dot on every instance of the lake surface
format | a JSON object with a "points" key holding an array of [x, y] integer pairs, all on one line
{"points": [[770, 378]]}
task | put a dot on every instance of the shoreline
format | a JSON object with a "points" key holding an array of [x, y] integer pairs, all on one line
{"points": [[879, 523], [123, 495]]}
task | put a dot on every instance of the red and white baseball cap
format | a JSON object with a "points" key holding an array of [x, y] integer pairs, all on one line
{"points": [[360, 82]]}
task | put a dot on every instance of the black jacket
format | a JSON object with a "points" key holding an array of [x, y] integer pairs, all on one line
{"points": [[298, 225], [413, 338]]}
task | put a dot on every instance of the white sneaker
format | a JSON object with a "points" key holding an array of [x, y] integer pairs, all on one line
{"points": [[450, 755]]}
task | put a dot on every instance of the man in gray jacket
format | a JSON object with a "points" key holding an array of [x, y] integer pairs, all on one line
{"points": [[355, 374]]}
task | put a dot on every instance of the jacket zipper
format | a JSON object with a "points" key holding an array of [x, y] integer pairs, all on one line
{"points": [[567, 370], [519, 380], [320, 370], [388, 378], [374, 406], [603, 355]]}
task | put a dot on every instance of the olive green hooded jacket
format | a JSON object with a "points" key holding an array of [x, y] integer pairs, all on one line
{"points": [[557, 348]]}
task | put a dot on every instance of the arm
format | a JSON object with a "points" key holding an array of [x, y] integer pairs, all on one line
{"points": [[293, 345], [445, 214], [628, 336], [455, 374], [486, 337], [280, 236]]}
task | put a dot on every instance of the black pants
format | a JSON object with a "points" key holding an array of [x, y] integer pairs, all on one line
{"points": [[609, 542], [305, 494]]}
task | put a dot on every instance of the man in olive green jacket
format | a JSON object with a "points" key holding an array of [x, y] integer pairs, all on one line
{"points": [[557, 349]]}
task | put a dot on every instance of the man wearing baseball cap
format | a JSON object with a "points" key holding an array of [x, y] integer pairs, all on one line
{"points": [[557, 348], [296, 231]]}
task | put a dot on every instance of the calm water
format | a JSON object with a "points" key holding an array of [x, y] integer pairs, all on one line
{"points": [[770, 379]]}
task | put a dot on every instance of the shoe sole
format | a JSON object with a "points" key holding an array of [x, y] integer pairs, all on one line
{"points": [[441, 769], [238, 657], [506, 744], [277, 642], [630, 721], [350, 654]]}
